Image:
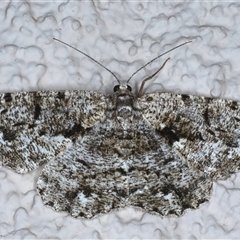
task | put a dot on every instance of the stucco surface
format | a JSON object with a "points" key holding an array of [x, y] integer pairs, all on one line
{"points": [[122, 36]]}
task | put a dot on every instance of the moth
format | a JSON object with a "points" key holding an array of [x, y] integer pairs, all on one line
{"points": [[158, 152]]}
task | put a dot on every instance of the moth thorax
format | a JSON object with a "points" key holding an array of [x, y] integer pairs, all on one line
{"points": [[124, 106], [124, 100], [124, 112]]}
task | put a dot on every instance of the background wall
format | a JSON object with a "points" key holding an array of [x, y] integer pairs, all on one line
{"points": [[122, 36]]}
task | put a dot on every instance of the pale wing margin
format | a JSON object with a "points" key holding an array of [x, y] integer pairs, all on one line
{"points": [[37, 126], [204, 131]]}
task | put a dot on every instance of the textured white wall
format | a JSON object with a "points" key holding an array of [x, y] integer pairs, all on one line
{"points": [[122, 36]]}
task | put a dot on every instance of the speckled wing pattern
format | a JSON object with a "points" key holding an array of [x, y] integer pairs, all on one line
{"points": [[160, 152], [204, 131], [37, 126]]}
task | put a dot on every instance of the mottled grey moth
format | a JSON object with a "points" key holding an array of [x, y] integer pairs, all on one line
{"points": [[158, 152]]}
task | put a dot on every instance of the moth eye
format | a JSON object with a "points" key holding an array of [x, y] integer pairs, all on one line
{"points": [[116, 88], [129, 88]]}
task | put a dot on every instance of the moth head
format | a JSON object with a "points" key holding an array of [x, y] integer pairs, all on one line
{"points": [[121, 87]]}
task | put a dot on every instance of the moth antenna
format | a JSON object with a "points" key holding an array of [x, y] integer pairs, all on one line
{"points": [[88, 57], [156, 59], [148, 78]]}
